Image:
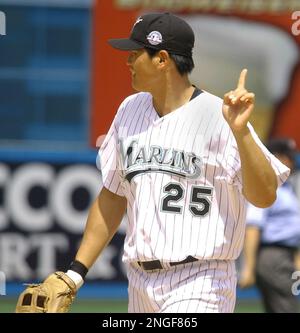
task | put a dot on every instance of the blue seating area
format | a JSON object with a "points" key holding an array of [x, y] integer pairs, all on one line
{"points": [[45, 83]]}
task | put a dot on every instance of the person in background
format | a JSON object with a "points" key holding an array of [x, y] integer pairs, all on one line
{"points": [[271, 250]]}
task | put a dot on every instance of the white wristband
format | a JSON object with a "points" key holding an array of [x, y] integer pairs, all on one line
{"points": [[77, 278]]}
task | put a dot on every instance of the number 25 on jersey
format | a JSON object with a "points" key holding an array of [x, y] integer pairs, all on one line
{"points": [[199, 204]]}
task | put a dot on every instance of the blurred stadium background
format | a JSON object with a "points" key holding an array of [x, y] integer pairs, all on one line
{"points": [[60, 84]]}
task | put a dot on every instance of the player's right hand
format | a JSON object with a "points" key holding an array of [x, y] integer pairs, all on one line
{"points": [[238, 105]]}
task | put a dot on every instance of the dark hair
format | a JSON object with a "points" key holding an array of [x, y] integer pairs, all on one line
{"points": [[283, 146], [183, 64]]}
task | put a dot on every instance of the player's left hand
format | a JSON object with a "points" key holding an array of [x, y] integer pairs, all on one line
{"points": [[55, 294], [238, 105]]}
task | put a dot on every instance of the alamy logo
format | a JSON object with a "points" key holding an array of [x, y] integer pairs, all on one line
{"points": [[2, 284], [296, 25], [296, 285], [2, 24]]}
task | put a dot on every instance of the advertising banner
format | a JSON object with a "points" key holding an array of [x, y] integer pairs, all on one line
{"points": [[263, 36], [44, 202]]}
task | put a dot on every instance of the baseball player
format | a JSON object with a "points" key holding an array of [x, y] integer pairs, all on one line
{"points": [[182, 163]]}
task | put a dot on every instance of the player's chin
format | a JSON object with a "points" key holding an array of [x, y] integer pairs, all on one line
{"points": [[139, 85], [136, 86]]}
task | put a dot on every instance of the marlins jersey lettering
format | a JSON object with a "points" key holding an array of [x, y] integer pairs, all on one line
{"points": [[181, 176]]}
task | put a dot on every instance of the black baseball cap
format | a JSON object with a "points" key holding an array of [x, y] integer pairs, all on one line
{"points": [[284, 146], [163, 31]]}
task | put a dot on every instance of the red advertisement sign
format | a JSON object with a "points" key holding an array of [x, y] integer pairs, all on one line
{"points": [[230, 35]]}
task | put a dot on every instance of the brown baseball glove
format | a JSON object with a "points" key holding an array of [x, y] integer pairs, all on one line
{"points": [[55, 294]]}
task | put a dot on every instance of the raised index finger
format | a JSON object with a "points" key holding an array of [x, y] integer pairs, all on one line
{"points": [[242, 79]]}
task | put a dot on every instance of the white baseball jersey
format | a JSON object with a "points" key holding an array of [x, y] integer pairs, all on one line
{"points": [[181, 176]]}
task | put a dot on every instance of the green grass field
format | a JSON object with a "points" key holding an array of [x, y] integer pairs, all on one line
{"points": [[7, 305]]}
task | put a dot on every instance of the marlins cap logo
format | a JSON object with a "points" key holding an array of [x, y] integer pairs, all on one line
{"points": [[155, 38]]}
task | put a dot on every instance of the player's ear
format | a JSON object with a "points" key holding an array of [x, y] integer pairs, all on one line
{"points": [[162, 59]]}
